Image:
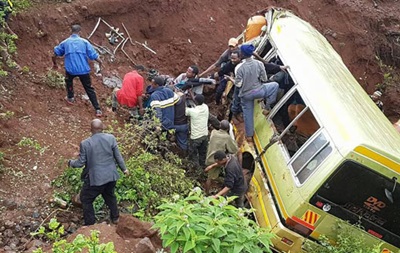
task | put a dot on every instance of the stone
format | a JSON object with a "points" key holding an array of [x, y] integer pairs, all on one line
{"points": [[9, 224], [145, 246], [34, 244], [130, 227]]}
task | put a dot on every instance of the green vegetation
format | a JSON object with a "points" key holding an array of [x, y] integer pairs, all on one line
{"points": [[203, 224], [1, 162], [7, 40], [54, 79], [89, 243], [6, 115], [153, 177], [390, 76], [346, 241], [31, 143]]}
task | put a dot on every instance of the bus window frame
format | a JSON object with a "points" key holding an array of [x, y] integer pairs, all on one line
{"points": [[282, 146]]}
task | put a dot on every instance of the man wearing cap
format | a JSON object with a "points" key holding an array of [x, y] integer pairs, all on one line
{"points": [[251, 79], [225, 56], [234, 183], [162, 100], [131, 92], [376, 98]]}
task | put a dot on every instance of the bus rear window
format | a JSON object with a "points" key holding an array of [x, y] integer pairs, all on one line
{"points": [[357, 194]]}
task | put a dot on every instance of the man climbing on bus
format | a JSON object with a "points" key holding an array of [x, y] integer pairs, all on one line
{"points": [[251, 79]]}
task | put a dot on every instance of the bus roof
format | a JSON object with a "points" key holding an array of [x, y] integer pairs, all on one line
{"points": [[338, 101]]}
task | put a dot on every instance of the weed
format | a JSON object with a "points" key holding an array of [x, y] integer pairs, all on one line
{"points": [[31, 143], [54, 79], [80, 243], [6, 115]]}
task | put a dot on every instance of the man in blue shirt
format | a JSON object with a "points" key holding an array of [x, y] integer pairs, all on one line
{"points": [[77, 51], [162, 100]]}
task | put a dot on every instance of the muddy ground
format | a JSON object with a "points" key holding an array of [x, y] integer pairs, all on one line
{"points": [[181, 33]]}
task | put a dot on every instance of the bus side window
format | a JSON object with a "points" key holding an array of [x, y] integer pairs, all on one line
{"points": [[296, 121], [300, 133]]}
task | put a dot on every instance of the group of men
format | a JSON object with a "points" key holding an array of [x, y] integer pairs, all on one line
{"points": [[167, 98]]}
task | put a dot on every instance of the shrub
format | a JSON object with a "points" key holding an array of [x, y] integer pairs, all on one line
{"points": [[203, 224], [152, 179], [80, 243], [54, 79], [347, 240]]}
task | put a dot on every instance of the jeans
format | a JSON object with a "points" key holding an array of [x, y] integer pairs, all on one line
{"points": [[236, 106], [268, 91], [181, 133], [198, 151], [220, 90], [89, 194], [87, 85]]}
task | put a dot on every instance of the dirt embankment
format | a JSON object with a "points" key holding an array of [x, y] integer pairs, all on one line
{"points": [[182, 33]]}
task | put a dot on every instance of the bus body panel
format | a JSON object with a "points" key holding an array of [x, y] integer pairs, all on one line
{"points": [[355, 128]]}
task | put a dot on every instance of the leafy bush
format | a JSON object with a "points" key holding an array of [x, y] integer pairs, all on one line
{"points": [[152, 179], [54, 79], [81, 242], [203, 224], [347, 240]]}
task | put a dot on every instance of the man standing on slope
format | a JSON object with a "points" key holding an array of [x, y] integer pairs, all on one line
{"points": [[77, 51], [98, 155]]}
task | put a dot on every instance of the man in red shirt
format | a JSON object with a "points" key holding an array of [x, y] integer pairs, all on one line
{"points": [[131, 91]]}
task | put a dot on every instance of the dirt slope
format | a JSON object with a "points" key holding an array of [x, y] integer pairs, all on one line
{"points": [[182, 33]]}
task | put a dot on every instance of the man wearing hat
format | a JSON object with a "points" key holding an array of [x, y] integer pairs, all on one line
{"points": [[376, 98], [225, 56], [251, 79]]}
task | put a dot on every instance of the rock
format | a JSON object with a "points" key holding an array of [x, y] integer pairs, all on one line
{"points": [[2, 228], [34, 244], [10, 204], [72, 228], [84, 8], [8, 233], [35, 214], [66, 109], [145, 246], [9, 224], [131, 227]]}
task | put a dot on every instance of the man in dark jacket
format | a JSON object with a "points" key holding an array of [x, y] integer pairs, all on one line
{"points": [[162, 100], [98, 154], [234, 184]]}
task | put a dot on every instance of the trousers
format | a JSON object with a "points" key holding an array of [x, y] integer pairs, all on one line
{"points": [[267, 91], [87, 85], [90, 193]]}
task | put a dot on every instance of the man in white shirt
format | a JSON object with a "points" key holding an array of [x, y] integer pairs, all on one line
{"points": [[198, 131]]}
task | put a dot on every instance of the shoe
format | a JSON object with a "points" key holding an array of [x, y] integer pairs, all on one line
{"points": [[115, 221], [70, 101], [265, 112], [99, 113]]}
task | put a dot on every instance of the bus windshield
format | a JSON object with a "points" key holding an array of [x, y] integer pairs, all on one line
{"points": [[357, 194]]}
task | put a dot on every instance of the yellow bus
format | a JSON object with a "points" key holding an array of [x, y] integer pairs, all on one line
{"points": [[325, 153]]}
